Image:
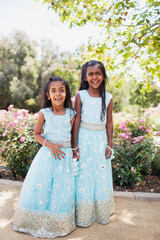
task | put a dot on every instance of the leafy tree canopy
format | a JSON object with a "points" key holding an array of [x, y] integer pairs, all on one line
{"points": [[130, 27]]}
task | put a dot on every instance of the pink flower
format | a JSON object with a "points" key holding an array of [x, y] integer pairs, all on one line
{"points": [[141, 120], [150, 125], [158, 133], [147, 130], [140, 127], [118, 140], [4, 134], [133, 170], [22, 139], [3, 149]]}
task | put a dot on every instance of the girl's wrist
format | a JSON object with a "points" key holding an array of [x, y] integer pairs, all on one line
{"points": [[75, 148]]}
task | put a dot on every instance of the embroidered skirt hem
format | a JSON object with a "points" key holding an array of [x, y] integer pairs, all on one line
{"points": [[43, 223], [88, 212]]}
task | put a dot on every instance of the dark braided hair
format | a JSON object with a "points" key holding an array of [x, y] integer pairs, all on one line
{"points": [[47, 103], [84, 84]]}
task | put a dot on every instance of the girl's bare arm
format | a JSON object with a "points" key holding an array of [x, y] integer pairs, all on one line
{"points": [[76, 124], [109, 128]]}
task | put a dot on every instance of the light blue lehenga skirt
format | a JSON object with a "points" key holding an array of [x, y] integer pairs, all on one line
{"points": [[47, 200], [94, 188]]}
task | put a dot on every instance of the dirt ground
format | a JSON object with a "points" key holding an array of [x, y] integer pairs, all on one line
{"points": [[132, 220]]}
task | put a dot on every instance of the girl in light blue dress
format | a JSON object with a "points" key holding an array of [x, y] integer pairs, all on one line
{"points": [[92, 144], [47, 200]]}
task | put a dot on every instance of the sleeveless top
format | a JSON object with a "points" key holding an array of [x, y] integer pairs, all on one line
{"points": [[91, 108], [57, 128]]}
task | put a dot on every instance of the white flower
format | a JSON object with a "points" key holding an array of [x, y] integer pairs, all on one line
{"points": [[81, 190], [83, 165], [39, 186], [60, 168], [102, 167], [100, 137]]}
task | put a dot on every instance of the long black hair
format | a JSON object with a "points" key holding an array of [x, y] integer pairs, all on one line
{"points": [[47, 103], [84, 84]]}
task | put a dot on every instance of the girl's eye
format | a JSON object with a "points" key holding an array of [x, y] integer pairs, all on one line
{"points": [[90, 74], [62, 90]]}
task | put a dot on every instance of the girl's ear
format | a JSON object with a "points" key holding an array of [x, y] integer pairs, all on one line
{"points": [[48, 96]]}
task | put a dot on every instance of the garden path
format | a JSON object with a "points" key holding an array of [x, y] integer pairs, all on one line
{"points": [[133, 220]]}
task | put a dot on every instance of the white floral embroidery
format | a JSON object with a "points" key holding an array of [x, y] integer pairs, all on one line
{"points": [[67, 155], [40, 202], [102, 167], [81, 190], [39, 186], [89, 159], [83, 165], [60, 168], [82, 176], [100, 137], [105, 190], [69, 189]]}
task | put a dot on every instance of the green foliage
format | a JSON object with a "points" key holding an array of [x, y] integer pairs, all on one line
{"points": [[135, 152], [131, 30], [18, 154], [156, 162], [132, 161], [17, 144]]}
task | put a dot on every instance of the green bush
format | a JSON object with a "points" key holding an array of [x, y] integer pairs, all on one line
{"points": [[132, 161], [18, 146]]}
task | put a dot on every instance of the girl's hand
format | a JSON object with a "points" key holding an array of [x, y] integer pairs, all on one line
{"points": [[108, 153], [76, 154], [55, 149]]}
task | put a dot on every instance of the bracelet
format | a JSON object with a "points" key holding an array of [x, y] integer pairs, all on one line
{"points": [[44, 142], [109, 148], [75, 148]]}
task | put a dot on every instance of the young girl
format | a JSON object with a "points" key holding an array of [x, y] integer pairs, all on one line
{"points": [[46, 206], [92, 144]]}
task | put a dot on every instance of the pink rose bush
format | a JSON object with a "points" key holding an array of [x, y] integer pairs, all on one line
{"points": [[17, 144], [135, 145]]}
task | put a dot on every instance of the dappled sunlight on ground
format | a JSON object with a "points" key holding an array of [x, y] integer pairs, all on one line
{"points": [[132, 220]]}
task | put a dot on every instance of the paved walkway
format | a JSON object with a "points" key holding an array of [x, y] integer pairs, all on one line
{"points": [[136, 217]]}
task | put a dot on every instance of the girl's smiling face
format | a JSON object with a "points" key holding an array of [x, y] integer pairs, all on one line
{"points": [[94, 76], [57, 93]]}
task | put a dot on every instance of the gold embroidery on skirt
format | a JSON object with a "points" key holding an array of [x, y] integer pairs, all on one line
{"points": [[43, 223], [94, 211]]}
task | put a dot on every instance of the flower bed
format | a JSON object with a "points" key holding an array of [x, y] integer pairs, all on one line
{"points": [[136, 143]]}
